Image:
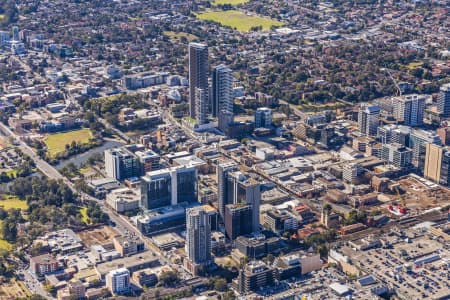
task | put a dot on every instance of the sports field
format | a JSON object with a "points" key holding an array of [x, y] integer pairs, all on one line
{"points": [[56, 143], [230, 2], [178, 35], [84, 215], [238, 20], [8, 202]]}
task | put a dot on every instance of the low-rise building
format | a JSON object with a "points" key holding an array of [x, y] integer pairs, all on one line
{"points": [[44, 264], [123, 199]]}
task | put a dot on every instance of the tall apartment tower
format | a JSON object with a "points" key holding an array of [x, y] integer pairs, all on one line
{"points": [[198, 238], [121, 164], [118, 281], [444, 101], [222, 90], [410, 110], [198, 74], [201, 106], [223, 169], [369, 119]]}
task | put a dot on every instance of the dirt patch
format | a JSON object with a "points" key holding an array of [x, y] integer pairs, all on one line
{"points": [[102, 235]]}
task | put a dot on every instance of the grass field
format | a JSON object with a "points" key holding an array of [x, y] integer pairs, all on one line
{"points": [[230, 2], [8, 202], [238, 20], [178, 35], [414, 65], [56, 143], [84, 216], [2, 17]]}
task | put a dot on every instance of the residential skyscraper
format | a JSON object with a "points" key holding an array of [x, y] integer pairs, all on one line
{"points": [[445, 169], [368, 119], [201, 106], [198, 238], [263, 117], [223, 169], [410, 109], [443, 104], [198, 74], [222, 90]]}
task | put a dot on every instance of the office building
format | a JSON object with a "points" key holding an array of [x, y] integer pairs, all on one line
{"points": [[258, 245], [198, 74], [121, 164], [443, 103], [128, 245], [433, 162], [169, 186], [15, 31], [444, 134], [263, 117], [410, 109], [394, 134], [242, 189], [4, 38], [201, 106], [223, 169], [397, 155], [445, 169], [368, 119], [254, 276], [222, 91], [237, 220], [417, 142], [198, 238], [118, 281], [280, 221]]}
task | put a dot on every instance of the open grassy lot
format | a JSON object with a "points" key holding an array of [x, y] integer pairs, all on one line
{"points": [[178, 35], [230, 2], [2, 17], [56, 143], [238, 20], [8, 202]]}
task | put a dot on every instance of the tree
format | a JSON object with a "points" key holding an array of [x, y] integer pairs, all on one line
{"points": [[169, 278]]}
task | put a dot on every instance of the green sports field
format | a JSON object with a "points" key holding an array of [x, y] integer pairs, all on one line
{"points": [[238, 20], [56, 143], [8, 202], [230, 2]]}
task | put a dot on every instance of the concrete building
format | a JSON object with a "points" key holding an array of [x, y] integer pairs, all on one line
{"points": [[169, 186], [121, 164], [128, 245], [123, 199], [198, 74], [44, 264], [198, 238], [433, 162], [351, 172], [118, 281], [222, 91], [397, 154], [445, 169], [410, 109], [443, 104], [394, 134], [73, 291], [149, 160], [255, 275], [263, 117], [280, 221], [368, 119]]}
